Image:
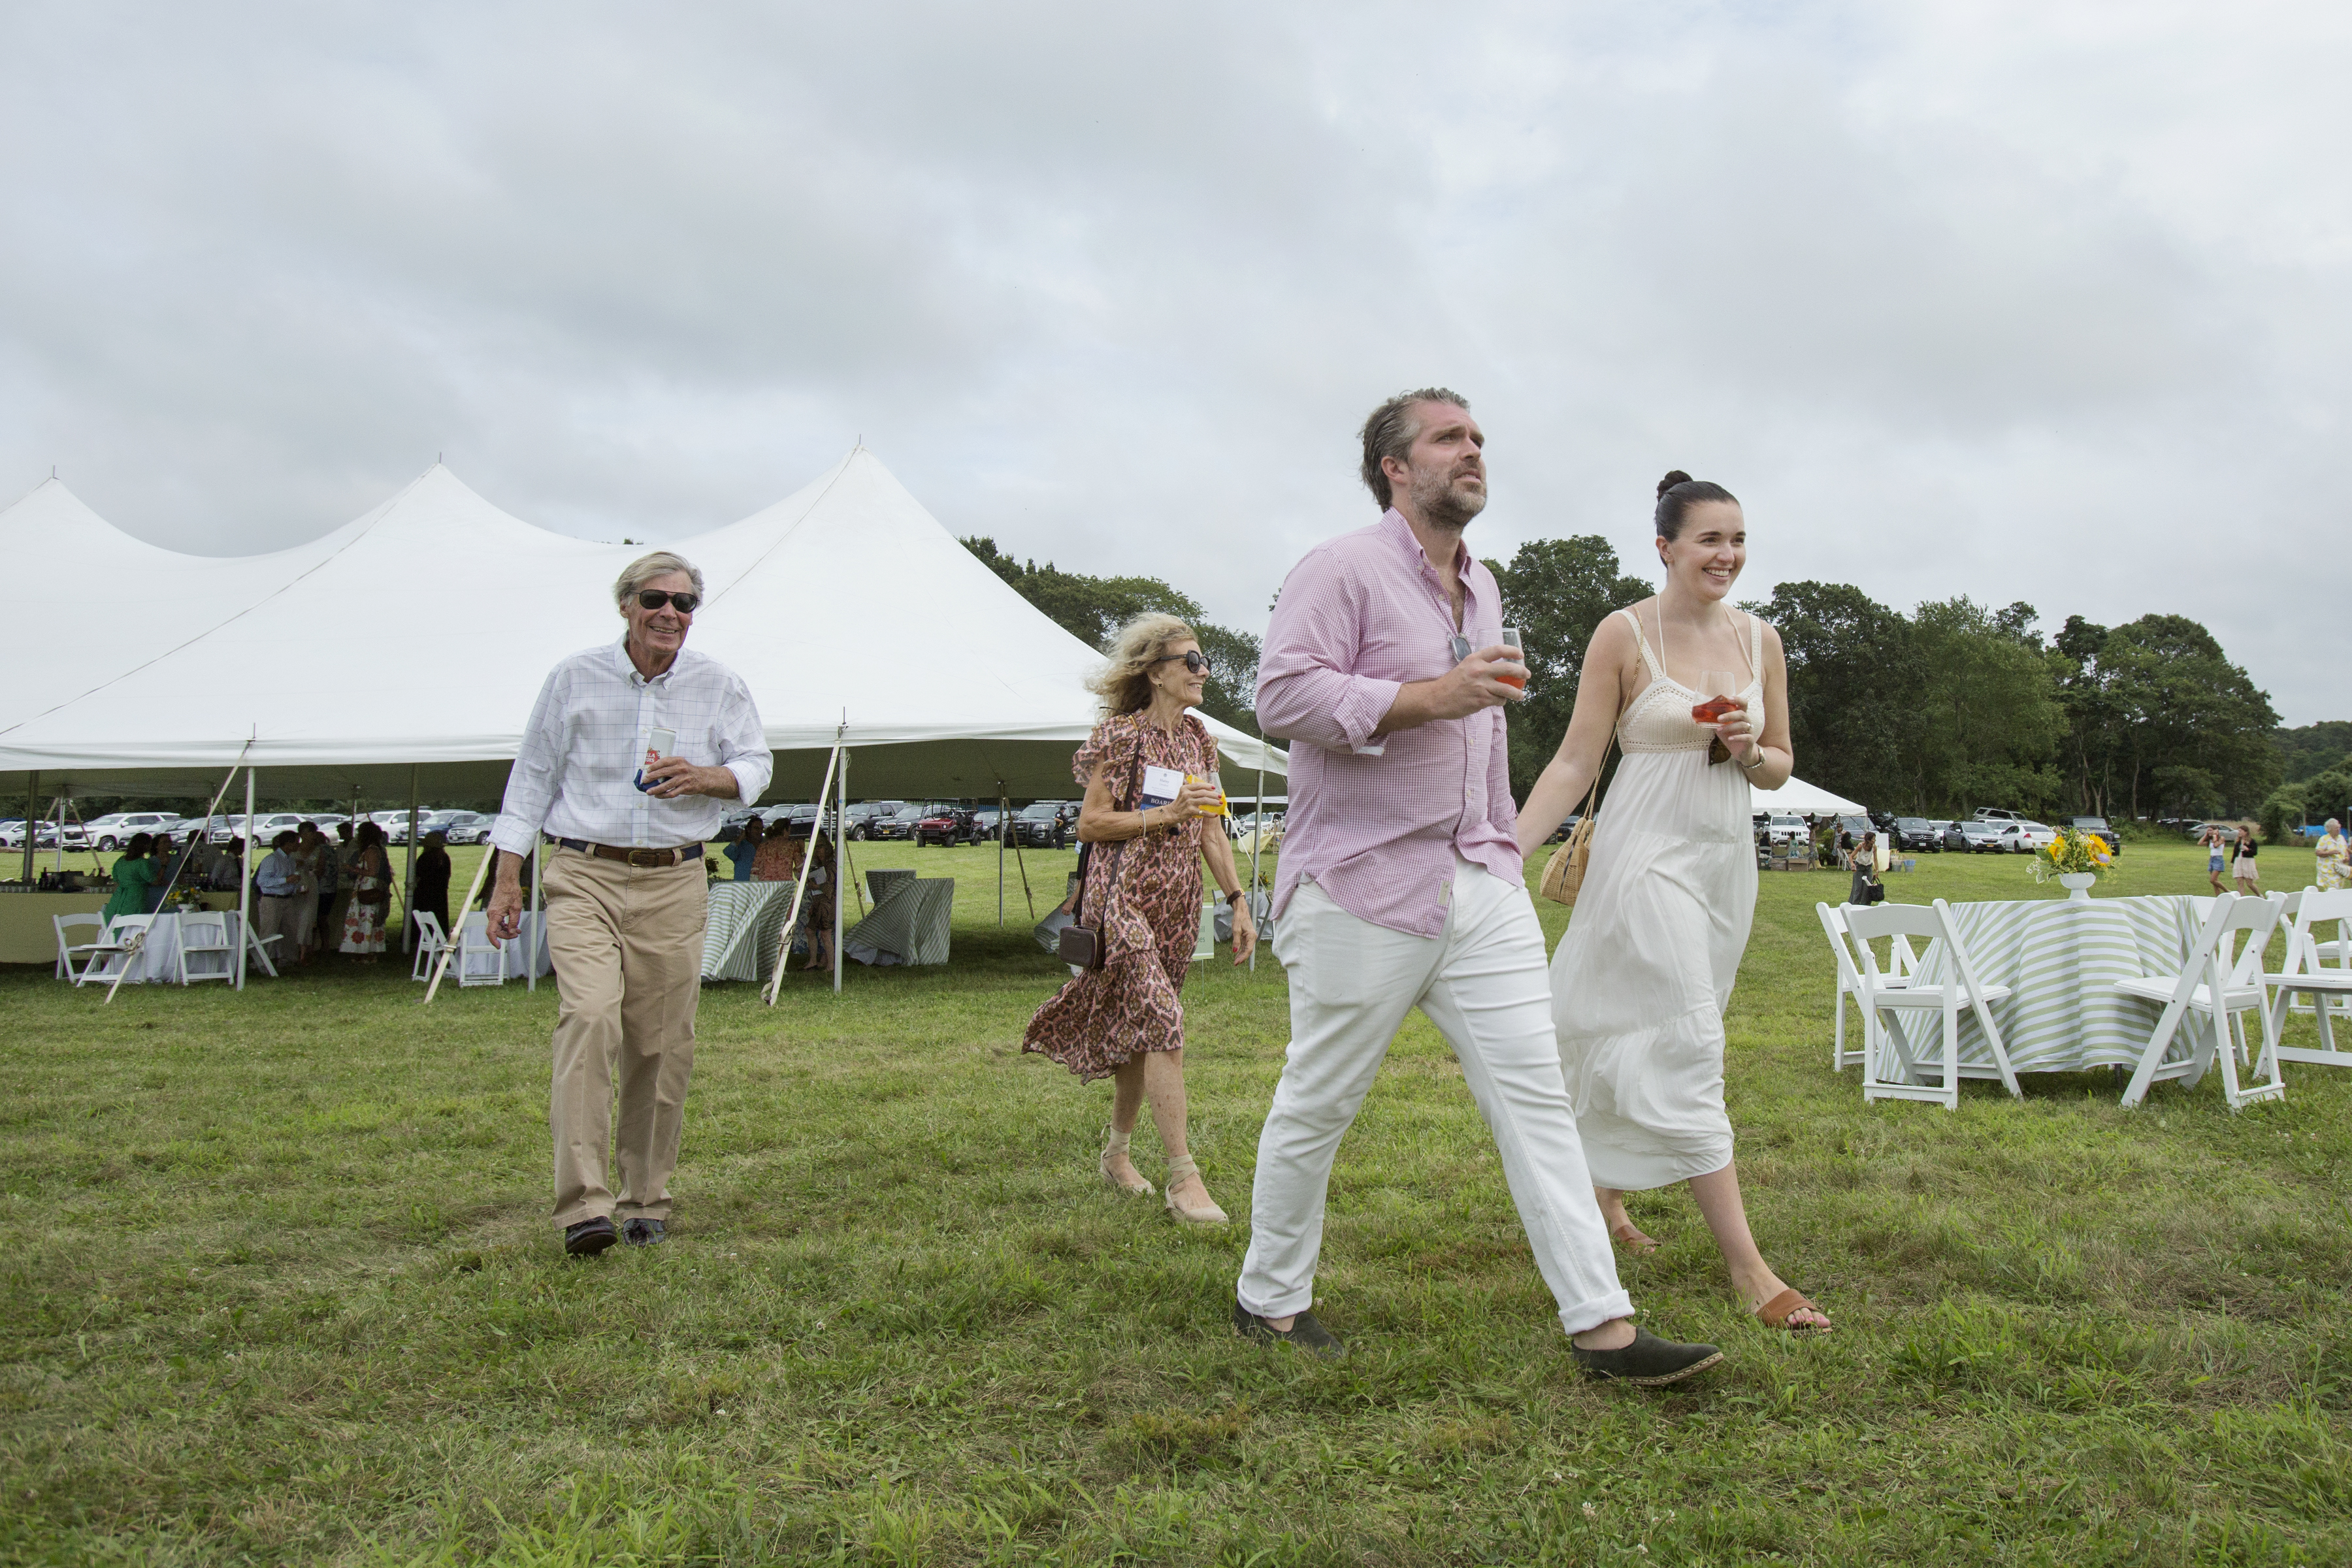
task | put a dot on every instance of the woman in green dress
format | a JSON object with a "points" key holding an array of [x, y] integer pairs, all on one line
{"points": [[134, 880]]}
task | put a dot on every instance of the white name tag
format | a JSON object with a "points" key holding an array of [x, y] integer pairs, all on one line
{"points": [[1160, 787]]}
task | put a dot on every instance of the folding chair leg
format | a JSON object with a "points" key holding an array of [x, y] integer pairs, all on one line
{"points": [[1837, 1041], [1951, 1054], [2158, 1043]]}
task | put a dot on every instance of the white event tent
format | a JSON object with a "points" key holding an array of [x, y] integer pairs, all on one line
{"points": [[404, 651], [1803, 799]]}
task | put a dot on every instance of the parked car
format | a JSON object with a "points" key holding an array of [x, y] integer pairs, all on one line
{"points": [[1982, 837], [1919, 833], [427, 821], [469, 827], [1042, 825], [1952, 835], [984, 824], [799, 821], [116, 830], [2032, 836], [864, 813], [1782, 827], [2098, 825], [12, 834], [1998, 814], [899, 827]]}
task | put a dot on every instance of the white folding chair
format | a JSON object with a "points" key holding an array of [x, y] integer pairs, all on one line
{"points": [[2305, 975], [430, 940], [68, 954], [2223, 979], [206, 935], [1888, 1067], [124, 936], [1849, 978], [473, 943]]}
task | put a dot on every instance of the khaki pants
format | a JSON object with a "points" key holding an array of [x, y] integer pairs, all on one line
{"points": [[626, 942], [274, 916]]}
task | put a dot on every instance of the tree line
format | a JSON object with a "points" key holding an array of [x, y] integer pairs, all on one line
{"points": [[1953, 706]]}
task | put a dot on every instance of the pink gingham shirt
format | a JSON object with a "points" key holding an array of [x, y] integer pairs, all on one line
{"points": [[1377, 824]]}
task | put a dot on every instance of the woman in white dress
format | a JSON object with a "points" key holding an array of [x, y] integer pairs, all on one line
{"points": [[1641, 978]]}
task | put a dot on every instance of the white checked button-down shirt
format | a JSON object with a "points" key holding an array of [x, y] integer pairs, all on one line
{"points": [[576, 774]]}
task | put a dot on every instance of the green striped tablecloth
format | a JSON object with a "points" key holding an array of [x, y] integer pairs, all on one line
{"points": [[746, 918], [2059, 958]]}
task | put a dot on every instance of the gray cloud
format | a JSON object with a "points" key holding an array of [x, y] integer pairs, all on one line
{"points": [[1976, 298]]}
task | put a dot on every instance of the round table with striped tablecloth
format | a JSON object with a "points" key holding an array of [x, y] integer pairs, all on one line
{"points": [[2060, 958]]}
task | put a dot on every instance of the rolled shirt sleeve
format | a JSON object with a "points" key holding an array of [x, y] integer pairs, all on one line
{"points": [[1304, 690], [743, 744]]}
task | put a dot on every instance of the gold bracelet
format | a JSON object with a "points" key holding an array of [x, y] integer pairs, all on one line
{"points": [[1751, 768]]}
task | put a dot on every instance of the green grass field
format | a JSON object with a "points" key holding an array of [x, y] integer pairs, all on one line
{"points": [[279, 1287]]}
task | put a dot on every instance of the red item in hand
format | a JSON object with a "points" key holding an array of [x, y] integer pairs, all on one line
{"points": [[1519, 682], [1712, 709]]}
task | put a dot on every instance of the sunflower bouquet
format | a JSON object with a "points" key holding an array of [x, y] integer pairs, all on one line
{"points": [[2072, 852]]}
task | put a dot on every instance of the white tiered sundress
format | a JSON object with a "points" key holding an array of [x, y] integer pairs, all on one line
{"points": [[1642, 976]]}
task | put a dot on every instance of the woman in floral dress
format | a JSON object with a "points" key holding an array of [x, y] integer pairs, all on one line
{"points": [[1142, 892], [2329, 872], [371, 896]]}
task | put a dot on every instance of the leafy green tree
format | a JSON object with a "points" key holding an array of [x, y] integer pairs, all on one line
{"points": [[1092, 608], [1854, 688], [1556, 591], [2179, 702], [1988, 720], [2313, 748]]}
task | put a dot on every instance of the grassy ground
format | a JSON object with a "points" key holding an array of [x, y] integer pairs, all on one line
{"points": [[279, 1287]]}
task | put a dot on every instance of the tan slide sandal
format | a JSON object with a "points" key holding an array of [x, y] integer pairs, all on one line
{"points": [[1776, 1313]]}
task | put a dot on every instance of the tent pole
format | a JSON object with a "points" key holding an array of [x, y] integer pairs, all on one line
{"points": [[32, 822], [538, 926], [408, 877], [840, 861], [244, 886], [1000, 855]]}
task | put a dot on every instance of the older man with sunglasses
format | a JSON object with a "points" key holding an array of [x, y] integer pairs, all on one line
{"points": [[629, 750]]}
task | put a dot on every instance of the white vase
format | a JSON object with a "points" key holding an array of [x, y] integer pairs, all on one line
{"points": [[2077, 884]]}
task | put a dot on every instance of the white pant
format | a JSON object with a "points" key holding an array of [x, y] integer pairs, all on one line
{"points": [[1485, 985]]}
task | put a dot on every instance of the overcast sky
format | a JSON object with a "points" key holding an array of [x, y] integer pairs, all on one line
{"points": [[2026, 301]]}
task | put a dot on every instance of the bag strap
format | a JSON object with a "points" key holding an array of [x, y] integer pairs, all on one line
{"points": [[1086, 850]]}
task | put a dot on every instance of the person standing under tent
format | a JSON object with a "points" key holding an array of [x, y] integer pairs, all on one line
{"points": [[430, 894], [1400, 887], [134, 880], [1641, 980], [310, 854], [817, 915], [278, 882], [626, 893], [746, 848], [371, 875], [1125, 1020]]}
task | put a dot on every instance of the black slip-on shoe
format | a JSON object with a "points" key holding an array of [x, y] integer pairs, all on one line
{"points": [[1648, 1363], [643, 1231], [1303, 1331], [590, 1236]]}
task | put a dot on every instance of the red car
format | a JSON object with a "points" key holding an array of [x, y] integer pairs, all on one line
{"points": [[946, 825]]}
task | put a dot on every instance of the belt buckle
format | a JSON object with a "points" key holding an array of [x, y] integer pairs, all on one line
{"points": [[649, 857]]}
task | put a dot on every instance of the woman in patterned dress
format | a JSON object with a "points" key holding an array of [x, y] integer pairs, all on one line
{"points": [[2329, 872], [1142, 892], [371, 896]]}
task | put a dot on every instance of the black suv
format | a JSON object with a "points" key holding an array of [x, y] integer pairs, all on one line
{"points": [[1042, 825], [864, 813], [898, 825], [1919, 833]]}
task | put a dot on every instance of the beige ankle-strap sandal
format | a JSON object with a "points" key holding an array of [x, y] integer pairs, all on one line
{"points": [[1117, 1144], [1179, 1168]]}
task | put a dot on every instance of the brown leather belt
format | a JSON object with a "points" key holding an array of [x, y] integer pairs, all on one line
{"points": [[641, 858]]}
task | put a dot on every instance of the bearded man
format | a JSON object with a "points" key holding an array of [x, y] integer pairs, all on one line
{"points": [[1400, 885]]}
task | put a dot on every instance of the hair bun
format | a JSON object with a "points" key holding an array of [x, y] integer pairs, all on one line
{"points": [[1672, 479]]}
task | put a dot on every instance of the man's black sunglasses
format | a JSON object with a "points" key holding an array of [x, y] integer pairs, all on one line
{"points": [[654, 599], [1196, 662]]}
